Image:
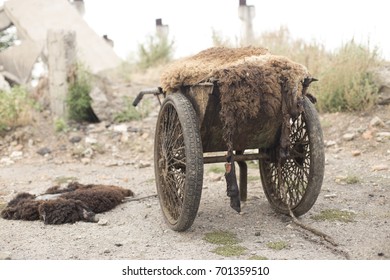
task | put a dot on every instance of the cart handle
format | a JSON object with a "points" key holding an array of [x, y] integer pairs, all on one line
{"points": [[155, 91]]}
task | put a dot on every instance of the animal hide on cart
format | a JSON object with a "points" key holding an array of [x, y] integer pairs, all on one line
{"points": [[251, 82]]}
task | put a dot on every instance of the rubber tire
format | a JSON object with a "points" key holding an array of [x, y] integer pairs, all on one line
{"points": [[316, 169], [194, 161]]}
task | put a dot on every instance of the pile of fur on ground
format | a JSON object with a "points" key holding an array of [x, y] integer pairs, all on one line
{"points": [[251, 82], [76, 202]]}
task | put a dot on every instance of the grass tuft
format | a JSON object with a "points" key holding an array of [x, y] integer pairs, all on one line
{"points": [[278, 245], [221, 238], [230, 250], [335, 215]]}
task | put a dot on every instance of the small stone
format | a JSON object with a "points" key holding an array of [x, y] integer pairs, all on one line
{"points": [[349, 136], [75, 139], [257, 233], [380, 167], [215, 177], [143, 164], [125, 137], [356, 153], [18, 147], [86, 161], [290, 226], [88, 153], [102, 222], [90, 140], [120, 128], [62, 148], [330, 195], [367, 135], [377, 122], [6, 161], [383, 134], [30, 143], [330, 143], [106, 251], [133, 129], [118, 244], [381, 254], [5, 256], [44, 151], [111, 163], [16, 155]]}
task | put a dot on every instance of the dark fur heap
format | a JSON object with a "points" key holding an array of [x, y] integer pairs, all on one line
{"points": [[76, 202]]}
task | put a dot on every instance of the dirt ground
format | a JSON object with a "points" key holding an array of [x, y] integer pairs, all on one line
{"points": [[357, 182]]}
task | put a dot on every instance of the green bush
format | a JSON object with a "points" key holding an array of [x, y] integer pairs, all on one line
{"points": [[78, 100], [156, 50], [131, 113], [60, 125], [15, 108], [347, 82]]}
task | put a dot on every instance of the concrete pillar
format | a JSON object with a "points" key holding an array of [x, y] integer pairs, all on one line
{"points": [[79, 5], [62, 59], [246, 14], [162, 30]]}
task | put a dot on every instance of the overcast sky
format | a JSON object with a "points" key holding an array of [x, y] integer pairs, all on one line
{"points": [[330, 22]]}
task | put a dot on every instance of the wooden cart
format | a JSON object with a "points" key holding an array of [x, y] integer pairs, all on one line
{"points": [[189, 129]]}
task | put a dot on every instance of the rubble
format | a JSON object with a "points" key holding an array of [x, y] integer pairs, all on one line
{"points": [[34, 18]]}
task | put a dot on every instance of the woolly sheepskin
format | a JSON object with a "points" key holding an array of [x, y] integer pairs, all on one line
{"points": [[76, 202], [252, 82]]}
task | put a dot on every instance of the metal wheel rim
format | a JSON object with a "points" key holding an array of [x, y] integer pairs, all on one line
{"points": [[291, 189], [171, 163]]}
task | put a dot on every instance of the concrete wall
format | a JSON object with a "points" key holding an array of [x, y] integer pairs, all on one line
{"points": [[33, 19]]}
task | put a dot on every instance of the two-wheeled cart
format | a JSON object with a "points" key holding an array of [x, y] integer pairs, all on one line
{"points": [[189, 131]]}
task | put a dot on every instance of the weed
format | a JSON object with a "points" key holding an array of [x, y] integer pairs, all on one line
{"points": [[219, 40], [15, 108], [278, 245], [230, 250], [131, 113], [253, 164], [347, 83], [60, 125], [216, 169], [150, 181], [156, 50], [3, 204], [99, 148], [352, 179], [221, 238], [335, 215], [253, 178], [78, 100]]}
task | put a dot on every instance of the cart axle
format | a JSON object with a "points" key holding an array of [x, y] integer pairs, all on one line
{"points": [[215, 159]]}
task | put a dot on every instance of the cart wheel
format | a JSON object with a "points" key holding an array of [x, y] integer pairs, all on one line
{"points": [[302, 172], [178, 161]]}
